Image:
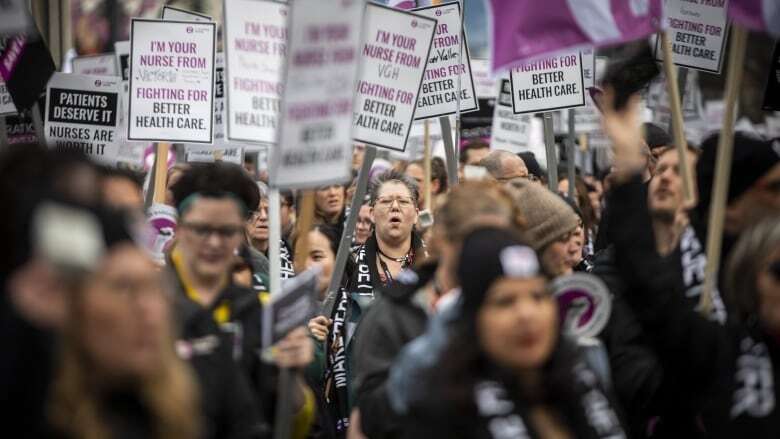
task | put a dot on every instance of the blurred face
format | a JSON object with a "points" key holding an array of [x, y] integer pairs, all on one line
{"points": [[394, 212], [124, 314], [257, 226], [208, 235], [761, 201], [320, 253], [556, 256], [122, 193], [363, 224], [768, 285], [518, 323], [474, 156], [330, 200], [575, 244], [513, 167], [665, 193], [563, 189], [417, 173], [286, 212], [357, 156]]}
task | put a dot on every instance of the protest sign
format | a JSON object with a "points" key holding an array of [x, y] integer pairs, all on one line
{"points": [[589, 68], [25, 66], [6, 103], [255, 47], [697, 31], [14, 17], [485, 82], [200, 154], [394, 54], [162, 219], [171, 81], [122, 53], [81, 114], [97, 65], [548, 84], [20, 129], [290, 308], [176, 14], [315, 135], [447, 79], [510, 132], [477, 125], [772, 92]]}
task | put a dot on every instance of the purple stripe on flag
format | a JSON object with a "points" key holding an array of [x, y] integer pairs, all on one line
{"points": [[748, 13], [10, 58]]}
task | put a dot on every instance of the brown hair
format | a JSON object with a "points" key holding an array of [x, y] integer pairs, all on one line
{"points": [[470, 202], [170, 395]]}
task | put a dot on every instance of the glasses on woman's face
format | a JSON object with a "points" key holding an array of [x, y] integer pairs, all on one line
{"points": [[262, 210], [203, 231], [387, 202]]}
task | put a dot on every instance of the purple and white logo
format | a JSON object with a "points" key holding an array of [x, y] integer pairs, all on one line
{"points": [[584, 304]]}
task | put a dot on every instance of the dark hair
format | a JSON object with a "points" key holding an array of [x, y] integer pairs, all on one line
{"points": [[472, 144], [288, 197], [586, 211], [217, 180], [328, 231], [438, 171], [134, 177], [397, 177], [656, 136]]}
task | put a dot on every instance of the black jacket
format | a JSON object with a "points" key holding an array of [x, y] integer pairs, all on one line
{"points": [[392, 321], [729, 372]]}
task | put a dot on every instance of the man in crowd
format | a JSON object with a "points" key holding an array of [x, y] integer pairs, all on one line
{"points": [[504, 166], [471, 153]]}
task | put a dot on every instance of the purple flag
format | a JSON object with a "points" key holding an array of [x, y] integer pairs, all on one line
{"points": [[760, 15], [526, 29]]}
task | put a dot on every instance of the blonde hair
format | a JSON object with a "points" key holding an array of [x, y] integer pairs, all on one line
{"points": [[170, 395], [470, 203]]}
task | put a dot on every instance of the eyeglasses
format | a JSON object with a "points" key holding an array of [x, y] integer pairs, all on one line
{"points": [[387, 202], [203, 231]]}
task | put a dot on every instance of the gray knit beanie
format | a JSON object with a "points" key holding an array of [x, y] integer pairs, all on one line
{"points": [[547, 217]]}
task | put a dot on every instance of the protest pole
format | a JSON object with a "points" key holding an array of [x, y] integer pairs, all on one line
{"points": [[723, 167], [345, 244], [552, 157], [570, 154], [274, 242], [427, 165], [160, 172], [678, 133], [38, 123], [682, 84], [3, 133], [449, 150]]}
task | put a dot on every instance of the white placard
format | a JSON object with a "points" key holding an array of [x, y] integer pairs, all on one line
{"points": [[393, 57], [548, 84], [176, 14], [448, 66], [122, 53], [697, 31], [510, 132], [97, 65], [255, 47], [200, 154], [171, 81], [14, 17], [589, 68], [315, 136], [485, 84], [81, 114], [6, 103]]}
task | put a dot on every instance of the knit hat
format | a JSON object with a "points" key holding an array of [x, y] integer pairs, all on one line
{"points": [[547, 217], [656, 136], [753, 157], [486, 255], [531, 164]]}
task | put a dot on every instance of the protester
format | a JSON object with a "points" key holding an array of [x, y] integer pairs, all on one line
{"points": [[471, 153], [548, 224], [534, 170], [586, 208], [656, 138], [364, 225], [258, 236], [400, 315], [416, 171], [507, 371], [323, 244], [213, 200], [118, 374], [330, 205], [122, 189], [504, 166]]}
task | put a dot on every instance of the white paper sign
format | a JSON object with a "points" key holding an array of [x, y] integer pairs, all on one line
{"points": [[122, 53], [255, 47], [315, 136], [6, 103], [485, 84], [81, 114], [589, 68], [97, 65], [393, 57], [448, 66], [171, 81], [14, 18], [176, 14], [510, 132], [200, 154], [697, 32], [548, 84]]}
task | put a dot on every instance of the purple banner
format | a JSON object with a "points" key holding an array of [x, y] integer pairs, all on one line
{"points": [[760, 15], [527, 29], [9, 59]]}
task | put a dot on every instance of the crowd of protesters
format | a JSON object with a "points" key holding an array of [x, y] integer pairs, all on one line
{"points": [[449, 330]]}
